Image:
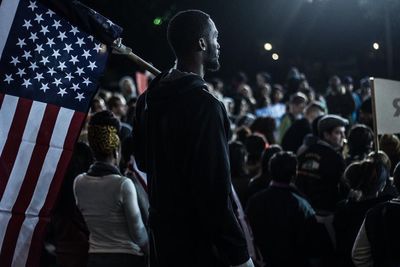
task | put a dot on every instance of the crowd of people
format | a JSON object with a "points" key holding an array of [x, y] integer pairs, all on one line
{"points": [[308, 186]]}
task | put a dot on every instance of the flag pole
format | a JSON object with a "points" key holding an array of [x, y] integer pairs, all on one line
{"points": [[119, 48], [376, 137]]}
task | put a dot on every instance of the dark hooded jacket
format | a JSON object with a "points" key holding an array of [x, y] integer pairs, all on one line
{"points": [[181, 134]]}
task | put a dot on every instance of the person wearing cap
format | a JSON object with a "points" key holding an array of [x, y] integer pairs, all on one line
{"points": [[321, 165], [297, 104], [338, 100]]}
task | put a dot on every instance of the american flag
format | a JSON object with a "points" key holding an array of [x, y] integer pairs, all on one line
{"points": [[48, 74]]}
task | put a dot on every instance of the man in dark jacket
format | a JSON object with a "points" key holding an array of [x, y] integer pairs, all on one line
{"points": [[181, 136]]}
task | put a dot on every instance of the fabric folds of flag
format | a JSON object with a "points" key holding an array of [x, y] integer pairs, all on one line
{"points": [[48, 75]]}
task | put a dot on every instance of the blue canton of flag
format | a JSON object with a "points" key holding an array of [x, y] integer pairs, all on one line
{"points": [[47, 59]]}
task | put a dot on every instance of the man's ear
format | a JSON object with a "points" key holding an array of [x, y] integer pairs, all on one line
{"points": [[202, 44]]}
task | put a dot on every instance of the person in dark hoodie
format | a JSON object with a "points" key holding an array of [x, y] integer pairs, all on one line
{"points": [[181, 137]]}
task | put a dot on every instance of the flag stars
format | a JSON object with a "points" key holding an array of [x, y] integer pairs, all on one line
{"points": [[27, 24], [68, 48], [39, 48], [38, 18], [44, 30], [45, 60], [79, 71], [74, 30], [80, 42], [21, 72], [39, 76], [57, 82], [32, 5], [91, 38], [62, 92], [61, 65], [50, 13], [86, 81], [51, 71], [110, 22], [14, 61], [75, 87], [56, 24], [56, 53], [86, 54], [74, 59], [97, 47], [33, 37], [92, 65], [21, 42], [50, 42], [45, 87], [8, 78], [33, 66], [26, 83], [62, 36], [79, 96], [27, 54], [69, 77]]}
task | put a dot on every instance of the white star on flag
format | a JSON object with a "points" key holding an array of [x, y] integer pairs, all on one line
{"points": [[79, 71], [62, 36], [8, 78], [21, 42], [27, 24], [50, 13], [51, 71], [86, 54], [44, 30], [44, 87], [80, 97], [69, 77], [39, 48], [68, 48], [92, 65], [26, 83], [14, 61], [74, 59], [62, 92], [50, 42], [75, 87], [33, 66], [21, 72], [33, 37], [61, 65], [56, 24], [57, 82], [32, 5], [39, 76], [38, 18], [44, 60], [80, 42], [74, 30], [97, 47], [86, 81], [56, 53], [27, 54]]}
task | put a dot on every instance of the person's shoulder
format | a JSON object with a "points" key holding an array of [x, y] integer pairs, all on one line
{"points": [[303, 204]]}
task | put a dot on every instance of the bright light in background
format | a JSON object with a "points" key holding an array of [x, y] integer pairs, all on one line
{"points": [[268, 46], [157, 21], [375, 46], [275, 56]]}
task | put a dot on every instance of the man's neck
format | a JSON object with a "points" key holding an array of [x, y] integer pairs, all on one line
{"points": [[192, 66]]}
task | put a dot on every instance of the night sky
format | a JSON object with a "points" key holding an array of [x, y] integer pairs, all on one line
{"points": [[320, 37]]}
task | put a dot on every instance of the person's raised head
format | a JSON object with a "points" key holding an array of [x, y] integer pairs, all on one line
{"points": [[331, 128], [283, 167], [192, 32], [103, 135]]}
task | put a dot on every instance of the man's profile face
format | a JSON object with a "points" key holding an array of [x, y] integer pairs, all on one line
{"points": [[336, 137], [211, 61]]}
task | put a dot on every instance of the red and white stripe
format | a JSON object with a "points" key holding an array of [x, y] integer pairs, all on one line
{"points": [[36, 142]]}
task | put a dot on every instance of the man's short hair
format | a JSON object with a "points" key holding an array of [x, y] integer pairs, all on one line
{"points": [[185, 29], [283, 167]]}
